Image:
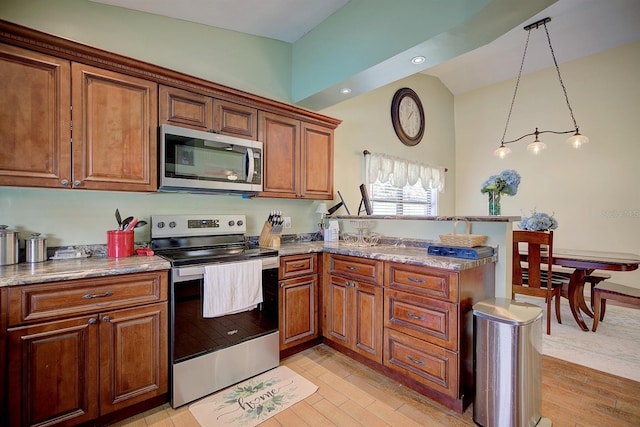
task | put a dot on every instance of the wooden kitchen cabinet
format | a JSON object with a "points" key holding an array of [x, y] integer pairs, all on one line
{"points": [[353, 303], [428, 328], [70, 125], [298, 300], [115, 122], [35, 122], [298, 158], [197, 111], [80, 350]]}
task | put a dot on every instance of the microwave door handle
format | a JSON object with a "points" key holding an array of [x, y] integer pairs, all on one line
{"points": [[250, 165]]}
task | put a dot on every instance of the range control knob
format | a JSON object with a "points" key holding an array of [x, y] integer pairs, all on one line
{"points": [[239, 222], [172, 224], [232, 223], [161, 224]]}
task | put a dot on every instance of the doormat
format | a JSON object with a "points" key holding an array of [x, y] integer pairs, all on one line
{"points": [[249, 403]]}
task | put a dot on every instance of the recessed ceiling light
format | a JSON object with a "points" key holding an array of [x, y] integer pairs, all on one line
{"points": [[418, 59], [345, 90]]}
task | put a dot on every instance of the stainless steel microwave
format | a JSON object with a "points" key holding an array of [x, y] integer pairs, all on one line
{"points": [[197, 161]]}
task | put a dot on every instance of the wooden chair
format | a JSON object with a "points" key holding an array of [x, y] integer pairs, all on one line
{"points": [[533, 284]]}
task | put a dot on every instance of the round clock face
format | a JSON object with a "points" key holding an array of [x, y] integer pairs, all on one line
{"points": [[407, 116]]}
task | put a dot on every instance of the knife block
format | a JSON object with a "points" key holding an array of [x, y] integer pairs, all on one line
{"points": [[268, 238]]}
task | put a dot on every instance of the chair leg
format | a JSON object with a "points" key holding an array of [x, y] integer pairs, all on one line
{"points": [[558, 308], [548, 301], [596, 311]]}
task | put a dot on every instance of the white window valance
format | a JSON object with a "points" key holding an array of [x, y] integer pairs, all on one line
{"points": [[401, 172]]}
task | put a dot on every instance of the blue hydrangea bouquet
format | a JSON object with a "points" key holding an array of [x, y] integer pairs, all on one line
{"points": [[538, 221]]}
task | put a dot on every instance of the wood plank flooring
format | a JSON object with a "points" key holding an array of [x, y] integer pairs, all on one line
{"points": [[350, 394]]}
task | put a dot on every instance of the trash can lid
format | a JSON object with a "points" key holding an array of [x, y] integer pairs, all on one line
{"points": [[506, 310]]}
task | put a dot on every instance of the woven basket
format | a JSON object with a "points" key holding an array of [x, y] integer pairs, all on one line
{"points": [[462, 240]]}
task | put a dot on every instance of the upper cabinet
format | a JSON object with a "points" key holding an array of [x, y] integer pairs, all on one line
{"points": [[114, 130], [35, 119], [298, 157], [74, 116], [193, 110], [69, 125]]}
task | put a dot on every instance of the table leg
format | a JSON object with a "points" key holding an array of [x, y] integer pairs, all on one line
{"points": [[575, 296]]}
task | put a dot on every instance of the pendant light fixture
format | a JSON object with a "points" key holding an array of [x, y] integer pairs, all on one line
{"points": [[535, 147]]}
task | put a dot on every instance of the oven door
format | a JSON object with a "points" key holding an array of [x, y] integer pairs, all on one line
{"points": [[194, 335], [203, 161], [208, 354]]}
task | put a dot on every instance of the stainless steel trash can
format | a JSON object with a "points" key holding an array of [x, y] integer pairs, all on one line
{"points": [[508, 363]]}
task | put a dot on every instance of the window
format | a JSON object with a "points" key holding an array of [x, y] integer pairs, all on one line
{"points": [[409, 200]]}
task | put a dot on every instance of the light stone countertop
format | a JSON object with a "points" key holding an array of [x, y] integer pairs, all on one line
{"points": [[52, 271], [408, 255]]}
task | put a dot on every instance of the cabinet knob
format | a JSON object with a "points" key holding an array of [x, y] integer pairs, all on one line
{"points": [[77, 183], [92, 321], [64, 182], [106, 319]]}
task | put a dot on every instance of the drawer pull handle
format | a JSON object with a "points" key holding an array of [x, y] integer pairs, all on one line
{"points": [[297, 265], [411, 279], [106, 294], [413, 316], [352, 268], [415, 361]]}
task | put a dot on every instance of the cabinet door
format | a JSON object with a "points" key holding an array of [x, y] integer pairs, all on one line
{"points": [[366, 311], [298, 310], [133, 356], [336, 326], [115, 121], [35, 119], [281, 138], [183, 108], [53, 372], [234, 119], [316, 174]]}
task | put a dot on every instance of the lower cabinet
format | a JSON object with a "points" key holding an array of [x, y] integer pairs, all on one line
{"points": [[107, 352], [298, 300], [353, 304]]}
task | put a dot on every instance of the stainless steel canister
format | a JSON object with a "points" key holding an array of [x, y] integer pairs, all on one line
{"points": [[8, 246], [36, 248]]}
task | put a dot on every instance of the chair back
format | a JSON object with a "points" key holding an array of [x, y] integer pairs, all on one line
{"points": [[539, 272]]}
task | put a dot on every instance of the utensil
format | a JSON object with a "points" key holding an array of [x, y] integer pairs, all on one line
{"points": [[141, 224], [125, 222], [118, 218], [131, 224], [8, 246]]}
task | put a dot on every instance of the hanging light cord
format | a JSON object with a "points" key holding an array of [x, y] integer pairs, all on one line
{"points": [[564, 89], [535, 25], [515, 92]]}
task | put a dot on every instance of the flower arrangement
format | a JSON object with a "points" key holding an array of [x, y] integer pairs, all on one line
{"points": [[506, 182], [538, 221]]}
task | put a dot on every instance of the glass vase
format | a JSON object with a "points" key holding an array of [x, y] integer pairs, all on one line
{"points": [[494, 203]]}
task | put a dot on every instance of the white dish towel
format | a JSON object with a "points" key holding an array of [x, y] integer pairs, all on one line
{"points": [[231, 288]]}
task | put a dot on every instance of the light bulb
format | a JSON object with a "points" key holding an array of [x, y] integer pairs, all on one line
{"points": [[502, 152], [536, 146], [577, 140]]}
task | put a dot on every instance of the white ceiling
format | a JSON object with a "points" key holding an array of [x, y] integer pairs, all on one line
{"points": [[578, 28]]}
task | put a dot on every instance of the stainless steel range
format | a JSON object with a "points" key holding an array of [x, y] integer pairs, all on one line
{"points": [[215, 340]]}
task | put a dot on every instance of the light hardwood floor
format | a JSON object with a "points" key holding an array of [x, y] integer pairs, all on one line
{"points": [[350, 394]]}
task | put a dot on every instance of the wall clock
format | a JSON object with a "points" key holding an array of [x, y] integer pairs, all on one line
{"points": [[407, 116]]}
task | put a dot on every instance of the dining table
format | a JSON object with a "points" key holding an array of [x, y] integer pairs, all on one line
{"points": [[584, 263]]}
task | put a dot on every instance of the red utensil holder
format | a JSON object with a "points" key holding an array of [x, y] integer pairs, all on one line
{"points": [[119, 243]]}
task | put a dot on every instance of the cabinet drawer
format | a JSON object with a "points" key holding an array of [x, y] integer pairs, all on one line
{"points": [[55, 300], [357, 268], [426, 363], [425, 318], [298, 265], [426, 281]]}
